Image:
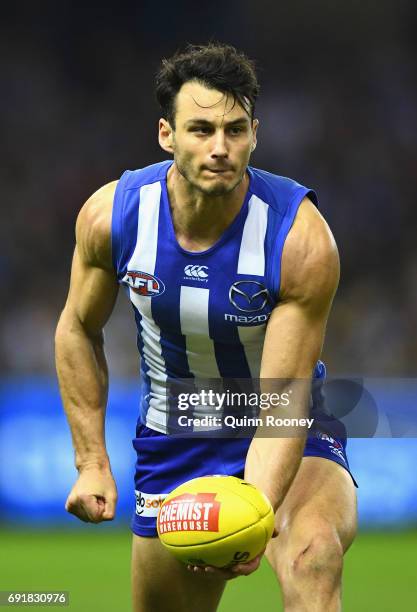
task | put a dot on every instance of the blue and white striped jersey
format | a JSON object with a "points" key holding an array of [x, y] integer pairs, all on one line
{"points": [[199, 314]]}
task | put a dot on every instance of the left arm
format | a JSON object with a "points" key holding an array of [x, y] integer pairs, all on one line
{"points": [[293, 342], [292, 346]]}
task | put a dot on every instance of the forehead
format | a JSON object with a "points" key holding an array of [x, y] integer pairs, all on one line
{"points": [[195, 101]]}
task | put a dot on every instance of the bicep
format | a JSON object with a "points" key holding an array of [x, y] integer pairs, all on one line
{"points": [[310, 272], [93, 285], [92, 294], [293, 342]]}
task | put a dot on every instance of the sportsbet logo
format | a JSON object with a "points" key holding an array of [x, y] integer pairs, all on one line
{"points": [[148, 504], [190, 513]]}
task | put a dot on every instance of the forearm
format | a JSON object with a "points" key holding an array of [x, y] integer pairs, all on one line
{"points": [[275, 454], [271, 465], [83, 380]]}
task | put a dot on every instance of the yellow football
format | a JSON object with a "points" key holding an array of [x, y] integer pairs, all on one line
{"points": [[215, 520]]}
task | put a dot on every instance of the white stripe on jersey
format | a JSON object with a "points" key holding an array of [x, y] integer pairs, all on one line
{"points": [[252, 254], [144, 255], [194, 317], [144, 260], [252, 261], [252, 339]]}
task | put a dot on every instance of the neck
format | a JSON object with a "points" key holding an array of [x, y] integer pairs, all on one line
{"points": [[200, 219]]}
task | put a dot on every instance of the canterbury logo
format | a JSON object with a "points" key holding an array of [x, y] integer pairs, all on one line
{"points": [[196, 271]]}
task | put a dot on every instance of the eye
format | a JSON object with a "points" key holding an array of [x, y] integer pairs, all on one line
{"points": [[201, 130], [236, 130]]}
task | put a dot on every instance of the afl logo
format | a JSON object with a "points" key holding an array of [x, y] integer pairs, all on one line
{"points": [[143, 283]]}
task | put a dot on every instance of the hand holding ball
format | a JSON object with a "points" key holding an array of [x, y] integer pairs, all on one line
{"points": [[215, 520]]}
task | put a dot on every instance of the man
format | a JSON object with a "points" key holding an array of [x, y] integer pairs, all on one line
{"points": [[184, 237]]}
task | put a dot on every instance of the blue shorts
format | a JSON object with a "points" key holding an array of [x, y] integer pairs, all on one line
{"points": [[164, 462]]}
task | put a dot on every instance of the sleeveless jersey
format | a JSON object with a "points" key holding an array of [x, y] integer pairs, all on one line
{"points": [[199, 314]]}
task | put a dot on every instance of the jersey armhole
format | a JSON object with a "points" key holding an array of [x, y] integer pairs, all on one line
{"points": [[286, 225], [116, 222]]}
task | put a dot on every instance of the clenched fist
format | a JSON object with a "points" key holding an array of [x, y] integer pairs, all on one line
{"points": [[93, 497]]}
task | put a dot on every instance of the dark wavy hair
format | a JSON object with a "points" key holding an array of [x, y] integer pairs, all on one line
{"points": [[215, 65]]}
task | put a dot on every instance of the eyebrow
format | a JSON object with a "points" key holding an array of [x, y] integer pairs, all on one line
{"points": [[200, 121]]}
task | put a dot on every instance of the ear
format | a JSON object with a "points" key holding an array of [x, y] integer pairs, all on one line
{"points": [[165, 136], [255, 124]]}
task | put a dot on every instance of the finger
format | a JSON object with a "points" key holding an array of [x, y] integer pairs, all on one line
{"points": [[196, 569], [93, 507], [211, 571], [228, 573], [73, 508], [244, 569], [225, 574]]}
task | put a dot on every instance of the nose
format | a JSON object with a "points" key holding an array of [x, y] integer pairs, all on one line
{"points": [[219, 145]]}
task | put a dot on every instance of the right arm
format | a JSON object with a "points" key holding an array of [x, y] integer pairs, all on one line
{"points": [[80, 360]]}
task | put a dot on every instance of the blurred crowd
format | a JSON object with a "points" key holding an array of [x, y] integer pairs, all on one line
{"points": [[337, 112]]}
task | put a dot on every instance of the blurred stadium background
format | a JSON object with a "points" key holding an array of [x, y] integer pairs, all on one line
{"points": [[338, 113]]}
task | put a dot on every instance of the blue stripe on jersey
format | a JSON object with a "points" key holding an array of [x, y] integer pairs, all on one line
{"points": [[229, 351], [284, 197], [275, 239], [276, 190], [279, 226], [145, 388], [231, 358]]}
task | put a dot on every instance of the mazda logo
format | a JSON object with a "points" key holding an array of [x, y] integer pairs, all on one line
{"points": [[249, 296]]}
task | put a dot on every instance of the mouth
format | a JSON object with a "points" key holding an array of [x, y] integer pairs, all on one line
{"points": [[218, 171]]}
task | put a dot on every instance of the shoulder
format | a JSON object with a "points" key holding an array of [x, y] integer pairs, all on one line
{"points": [[310, 259], [134, 179], [279, 192], [93, 228]]}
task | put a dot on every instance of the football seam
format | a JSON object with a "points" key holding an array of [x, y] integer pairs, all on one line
{"points": [[224, 488], [210, 541]]}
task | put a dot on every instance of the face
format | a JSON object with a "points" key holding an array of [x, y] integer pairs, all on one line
{"points": [[212, 141]]}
